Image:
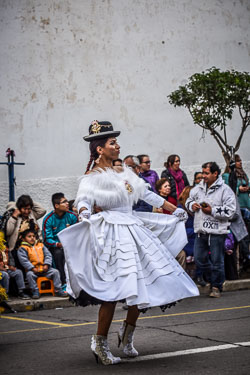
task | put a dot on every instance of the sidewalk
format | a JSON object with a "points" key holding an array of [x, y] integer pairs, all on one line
{"points": [[49, 302]]}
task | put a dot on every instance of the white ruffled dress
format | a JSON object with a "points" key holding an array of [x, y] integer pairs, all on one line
{"points": [[119, 254]]}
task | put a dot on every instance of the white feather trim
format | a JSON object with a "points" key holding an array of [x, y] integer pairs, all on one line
{"points": [[108, 188]]}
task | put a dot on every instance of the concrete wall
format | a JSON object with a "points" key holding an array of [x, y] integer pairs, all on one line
{"points": [[65, 63]]}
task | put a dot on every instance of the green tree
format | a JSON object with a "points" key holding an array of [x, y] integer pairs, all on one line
{"points": [[211, 98]]}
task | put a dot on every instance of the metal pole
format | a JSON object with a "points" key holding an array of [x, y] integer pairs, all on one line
{"points": [[11, 177], [10, 154]]}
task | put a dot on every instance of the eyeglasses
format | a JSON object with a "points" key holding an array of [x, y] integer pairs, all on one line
{"points": [[132, 166], [64, 202], [146, 162]]}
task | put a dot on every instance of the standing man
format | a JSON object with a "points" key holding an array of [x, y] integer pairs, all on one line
{"points": [[213, 204], [57, 220], [147, 173]]}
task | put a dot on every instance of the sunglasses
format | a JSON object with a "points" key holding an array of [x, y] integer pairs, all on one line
{"points": [[146, 162]]}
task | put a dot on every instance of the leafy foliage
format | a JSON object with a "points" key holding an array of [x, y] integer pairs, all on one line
{"points": [[211, 98]]}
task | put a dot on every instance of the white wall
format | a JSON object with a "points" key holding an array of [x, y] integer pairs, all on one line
{"points": [[66, 63]]}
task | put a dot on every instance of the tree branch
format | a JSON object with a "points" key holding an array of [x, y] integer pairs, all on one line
{"points": [[225, 131], [245, 124], [215, 133], [241, 113], [218, 141]]}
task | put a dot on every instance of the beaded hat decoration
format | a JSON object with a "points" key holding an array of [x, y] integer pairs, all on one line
{"points": [[100, 129]]}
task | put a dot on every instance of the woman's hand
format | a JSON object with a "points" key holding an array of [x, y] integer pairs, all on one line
{"points": [[82, 214], [159, 210], [16, 213], [243, 189], [97, 209], [180, 214]]}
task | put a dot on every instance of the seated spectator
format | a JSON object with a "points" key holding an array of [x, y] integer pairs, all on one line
{"points": [[198, 177], [133, 162], [148, 174], [117, 163], [57, 220], [72, 208], [8, 270], [3, 295], [163, 188], [177, 177], [20, 213], [37, 261]]}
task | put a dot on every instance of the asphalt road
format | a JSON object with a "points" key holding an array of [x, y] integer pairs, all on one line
{"points": [[198, 336]]}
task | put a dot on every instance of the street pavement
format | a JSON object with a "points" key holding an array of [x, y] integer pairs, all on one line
{"points": [[200, 335]]}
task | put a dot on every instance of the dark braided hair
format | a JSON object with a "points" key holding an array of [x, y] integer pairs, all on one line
{"points": [[93, 153]]}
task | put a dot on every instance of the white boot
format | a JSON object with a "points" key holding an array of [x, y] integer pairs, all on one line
{"points": [[100, 349], [126, 336]]}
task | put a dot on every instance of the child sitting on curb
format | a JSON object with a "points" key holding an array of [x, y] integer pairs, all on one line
{"points": [[37, 261], [9, 270]]}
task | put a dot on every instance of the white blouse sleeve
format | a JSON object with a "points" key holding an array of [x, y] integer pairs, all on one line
{"points": [[153, 199]]}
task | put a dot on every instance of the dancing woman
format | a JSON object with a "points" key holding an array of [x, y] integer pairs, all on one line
{"points": [[117, 254]]}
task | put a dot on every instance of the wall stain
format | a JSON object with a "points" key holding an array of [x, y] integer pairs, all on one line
{"points": [[14, 100], [50, 104], [71, 97], [44, 22]]}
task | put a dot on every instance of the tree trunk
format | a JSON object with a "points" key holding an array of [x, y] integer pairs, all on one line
{"points": [[227, 158]]}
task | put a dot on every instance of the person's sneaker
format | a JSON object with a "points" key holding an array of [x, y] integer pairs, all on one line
{"points": [[22, 295], [35, 295], [61, 293], [201, 281], [64, 286], [215, 293]]}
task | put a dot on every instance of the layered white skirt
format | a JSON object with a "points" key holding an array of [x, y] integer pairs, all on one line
{"points": [[124, 255]]}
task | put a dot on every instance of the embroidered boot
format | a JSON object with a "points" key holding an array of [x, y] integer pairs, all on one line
{"points": [[100, 349], [126, 336]]}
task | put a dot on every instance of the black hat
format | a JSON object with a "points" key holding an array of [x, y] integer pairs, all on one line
{"points": [[100, 129]]}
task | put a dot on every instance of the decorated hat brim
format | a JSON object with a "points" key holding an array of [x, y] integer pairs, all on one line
{"points": [[108, 134]]}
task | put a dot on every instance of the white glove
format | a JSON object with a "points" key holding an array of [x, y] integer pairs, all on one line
{"points": [[83, 215], [180, 214]]}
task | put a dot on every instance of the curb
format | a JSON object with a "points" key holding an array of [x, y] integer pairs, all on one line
{"points": [[228, 286], [49, 302], [43, 303]]}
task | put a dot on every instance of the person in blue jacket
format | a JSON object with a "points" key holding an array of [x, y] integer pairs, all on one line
{"points": [[57, 220]]}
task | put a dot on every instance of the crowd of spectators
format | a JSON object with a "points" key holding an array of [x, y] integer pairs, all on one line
{"points": [[217, 228]]}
